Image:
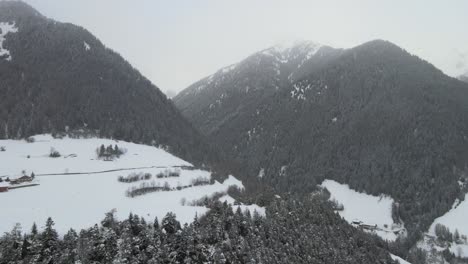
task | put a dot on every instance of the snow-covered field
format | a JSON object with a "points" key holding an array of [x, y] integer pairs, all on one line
{"points": [[455, 219], [81, 200], [375, 211]]}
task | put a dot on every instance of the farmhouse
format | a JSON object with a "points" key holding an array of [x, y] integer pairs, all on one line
{"points": [[21, 179], [368, 227]]}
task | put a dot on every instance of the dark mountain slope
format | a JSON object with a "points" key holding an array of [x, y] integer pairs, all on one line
{"points": [[374, 116], [212, 101], [61, 77]]}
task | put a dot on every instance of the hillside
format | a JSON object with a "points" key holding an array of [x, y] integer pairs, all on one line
{"points": [[58, 77], [374, 117], [80, 176], [216, 99], [89, 200]]}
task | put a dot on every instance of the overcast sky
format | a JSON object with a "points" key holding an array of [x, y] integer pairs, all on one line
{"points": [[177, 42]]}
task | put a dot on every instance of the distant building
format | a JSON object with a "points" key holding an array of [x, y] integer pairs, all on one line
{"points": [[21, 180], [3, 189]]}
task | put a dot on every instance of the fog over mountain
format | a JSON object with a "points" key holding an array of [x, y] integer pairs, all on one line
{"points": [[373, 116], [289, 132]]}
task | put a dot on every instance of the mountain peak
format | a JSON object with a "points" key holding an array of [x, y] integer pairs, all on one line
{"points": [[295, 44], [288, 48], [11, 10], [379, 45]]}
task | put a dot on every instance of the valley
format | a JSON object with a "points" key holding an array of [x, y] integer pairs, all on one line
{"points": [[78, 187], [351, 148]]}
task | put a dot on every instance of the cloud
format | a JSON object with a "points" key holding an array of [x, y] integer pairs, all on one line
{"points": [[462, 60]]}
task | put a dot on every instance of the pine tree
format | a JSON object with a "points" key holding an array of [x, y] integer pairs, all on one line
{"points": [[49, 239], [68, 253], [34, 250], [34, 229], [125, 253], [12, 251], [102, 151], [170, 224]]}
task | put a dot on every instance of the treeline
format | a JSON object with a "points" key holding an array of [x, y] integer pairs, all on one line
{"points": [[134, 177], [443, 234], [291, 232], [109, 152], [149, 187], [376, 118]]}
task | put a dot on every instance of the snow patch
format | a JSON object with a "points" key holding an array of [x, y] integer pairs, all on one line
{"points": [[86, 46], [251, 208], [400, 260], [232, 181], [455, 219], [228, 68], [261, 173], [5, 29], [371, 213]]}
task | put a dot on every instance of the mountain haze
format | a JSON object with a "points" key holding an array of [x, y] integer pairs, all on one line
{"points": [[58, 76], [373, 116], [463, 78]]}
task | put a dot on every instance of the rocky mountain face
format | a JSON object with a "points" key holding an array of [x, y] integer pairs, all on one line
{"points": [[373, 116], [57, 76]]}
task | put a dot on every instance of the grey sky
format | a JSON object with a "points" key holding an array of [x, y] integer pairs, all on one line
{"points": [[177, 42]]}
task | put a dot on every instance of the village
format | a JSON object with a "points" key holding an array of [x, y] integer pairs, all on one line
{"points": [[23, 181]]}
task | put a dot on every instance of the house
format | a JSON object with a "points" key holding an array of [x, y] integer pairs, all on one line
{"points": [[3, 189], [24, 179], [21, 180], [15, 181], [368, 227]]}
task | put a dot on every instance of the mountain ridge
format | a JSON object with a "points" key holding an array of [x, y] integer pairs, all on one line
{"points": [[61, 77], [373, 116]]}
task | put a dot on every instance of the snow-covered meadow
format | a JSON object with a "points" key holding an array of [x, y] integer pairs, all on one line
{"points": [[368, 209], [456, 219], [77, 189]]}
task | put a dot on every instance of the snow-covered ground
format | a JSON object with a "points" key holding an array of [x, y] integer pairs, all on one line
{"points": [[368, 209], [454, 219], [252, 208], [400, 260], [5, 29], [81, 200]]}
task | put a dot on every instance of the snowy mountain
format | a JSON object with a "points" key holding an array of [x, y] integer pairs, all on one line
{"points": [[246, 83], [57, 77], [373, 116]]}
